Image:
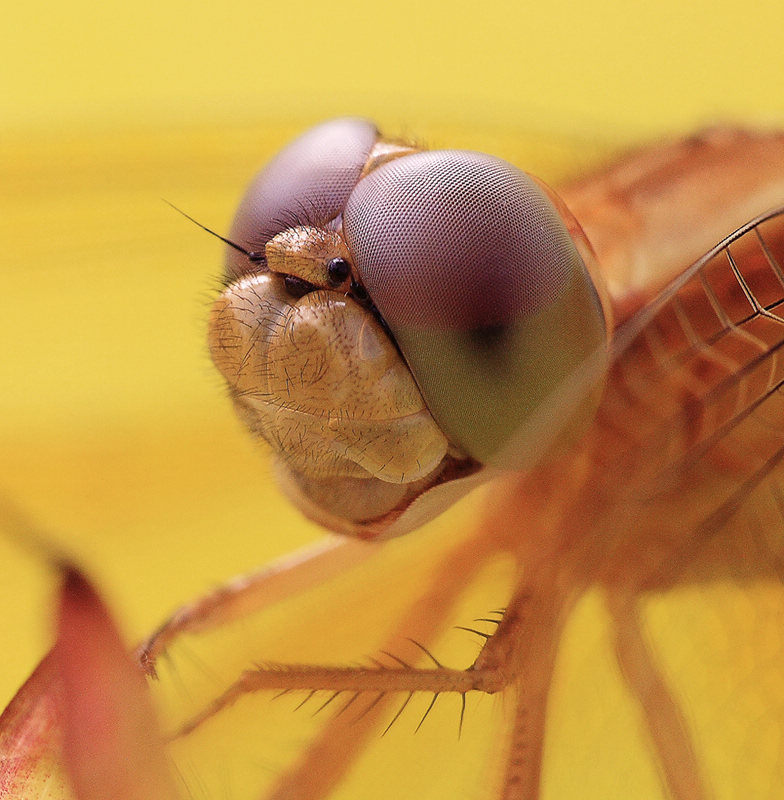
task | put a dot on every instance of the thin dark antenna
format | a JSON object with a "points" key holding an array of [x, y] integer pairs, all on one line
{"points": [[253, 255]]}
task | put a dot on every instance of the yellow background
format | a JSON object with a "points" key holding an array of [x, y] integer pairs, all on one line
{"points": [[622, 67], [114, 433]]}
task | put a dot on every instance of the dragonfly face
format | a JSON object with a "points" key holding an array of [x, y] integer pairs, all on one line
{"points": [[411, 310]]}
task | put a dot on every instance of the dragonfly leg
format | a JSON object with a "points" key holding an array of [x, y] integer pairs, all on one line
{"points": [[535, 620], [338, 680], [370, 690], [310, 566], [666, 724], [521, 653]]}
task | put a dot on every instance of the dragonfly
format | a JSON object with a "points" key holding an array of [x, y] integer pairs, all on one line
{"points": [[403, 326]]}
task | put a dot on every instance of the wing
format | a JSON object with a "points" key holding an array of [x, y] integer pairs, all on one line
{"points": [[678, 518], [692, 415]]}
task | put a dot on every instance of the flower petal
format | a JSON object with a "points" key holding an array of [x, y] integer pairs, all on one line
{"points": [[111, 742]]}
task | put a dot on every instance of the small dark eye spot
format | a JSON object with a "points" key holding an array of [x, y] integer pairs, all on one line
{"points": [[338, 269], [358, 292]]}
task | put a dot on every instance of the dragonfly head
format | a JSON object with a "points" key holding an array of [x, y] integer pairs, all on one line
{"points": [[413, 311]]}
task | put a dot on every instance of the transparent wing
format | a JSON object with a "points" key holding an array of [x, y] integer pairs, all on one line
{"points": [[680, 519], [690, 431]]}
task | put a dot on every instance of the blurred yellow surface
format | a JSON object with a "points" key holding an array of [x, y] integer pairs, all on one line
{"points": [[114, 431]]}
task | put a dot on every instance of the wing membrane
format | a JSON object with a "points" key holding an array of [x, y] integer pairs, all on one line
{"points": [[691, 426]]}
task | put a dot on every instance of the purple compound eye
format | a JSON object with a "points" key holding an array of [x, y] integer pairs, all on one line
{"points": [[307, 183], [476, 275]]}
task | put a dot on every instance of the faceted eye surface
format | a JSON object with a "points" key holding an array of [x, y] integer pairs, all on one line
{"points": [[479, 280], [308, 182]]}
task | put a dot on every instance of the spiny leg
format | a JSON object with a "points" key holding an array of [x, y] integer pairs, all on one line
{"points": [[360, 680], [666, 724], [343, 738], [305, 568], [326, 759], [524, 651], [521, 651], [341, 741]]}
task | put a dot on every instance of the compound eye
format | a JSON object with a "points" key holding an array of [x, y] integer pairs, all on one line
{"points": [[307, 183], [476, 274]]}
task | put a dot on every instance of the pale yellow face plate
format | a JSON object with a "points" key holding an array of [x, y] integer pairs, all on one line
{"points": [[318, 377]]}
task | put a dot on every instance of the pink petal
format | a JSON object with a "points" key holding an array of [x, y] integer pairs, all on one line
{"points": [[111, 742]]}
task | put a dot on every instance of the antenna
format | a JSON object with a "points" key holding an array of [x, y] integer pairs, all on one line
{"points": [[256, 256]]}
